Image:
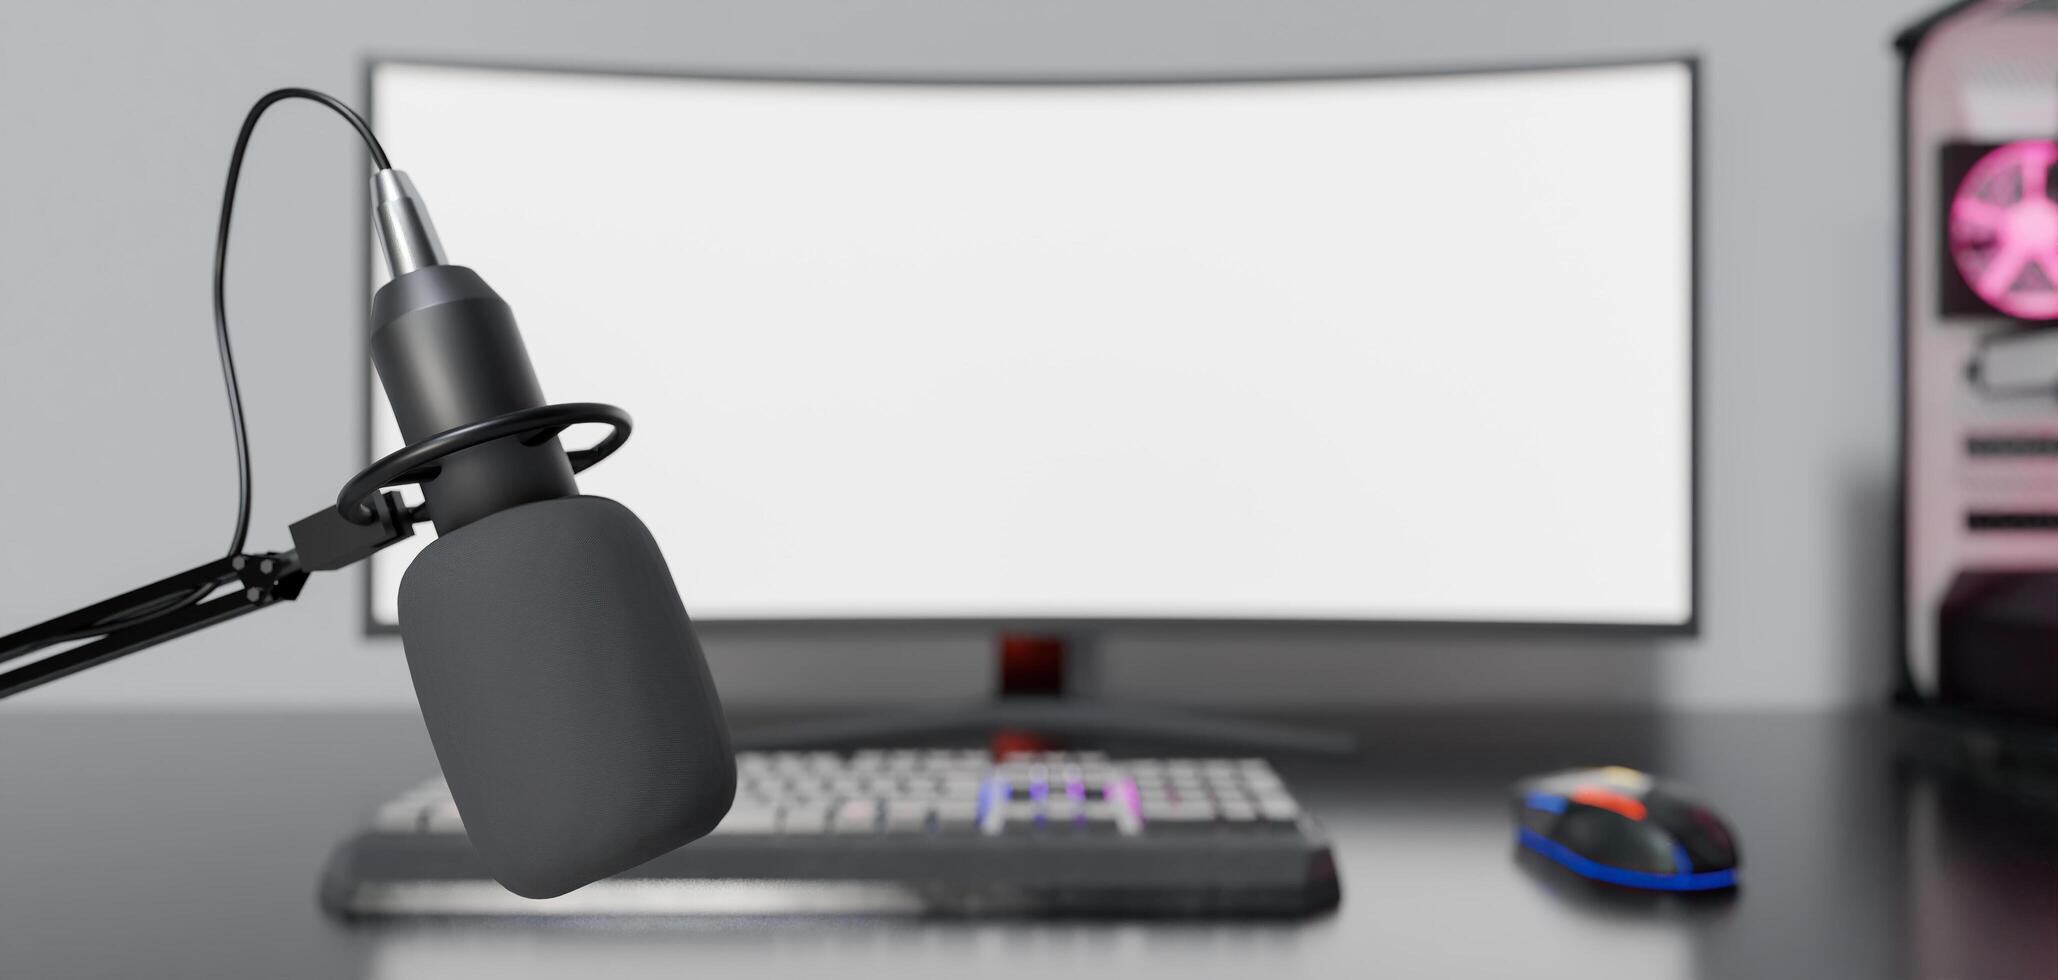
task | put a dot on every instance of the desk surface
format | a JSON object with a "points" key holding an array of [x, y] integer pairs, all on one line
{"points": [[135, 845]]}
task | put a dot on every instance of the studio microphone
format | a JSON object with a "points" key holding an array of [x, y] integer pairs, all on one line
{"points": [[562, 685]]}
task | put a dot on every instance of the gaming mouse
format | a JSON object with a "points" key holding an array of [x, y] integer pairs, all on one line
{"points": [[1622, 827]]}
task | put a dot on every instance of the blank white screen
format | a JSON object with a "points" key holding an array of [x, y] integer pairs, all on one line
{"points": [[1380, 349]]}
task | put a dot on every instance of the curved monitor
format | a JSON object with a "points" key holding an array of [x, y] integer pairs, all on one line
{"points": [[1412, 348]]}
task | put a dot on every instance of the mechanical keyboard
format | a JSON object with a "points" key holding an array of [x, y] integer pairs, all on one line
{"points": [[921, 832]]}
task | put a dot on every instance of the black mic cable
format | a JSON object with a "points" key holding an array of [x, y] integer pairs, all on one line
{"points": [[172, 602]]}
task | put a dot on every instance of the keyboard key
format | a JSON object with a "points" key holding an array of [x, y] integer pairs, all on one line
{"points": [[749, 821], [857, 817], [398, 817], [1193, 811], [956, 817], [425, 793], [1008, 816], [1279, 810], [1264, 784], [1270, 797], [907, 816], [1100, 817], [1060, 808], [442, 818], [804, 821]]}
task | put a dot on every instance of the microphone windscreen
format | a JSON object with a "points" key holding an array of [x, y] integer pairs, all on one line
{"points": [[565, 693]]}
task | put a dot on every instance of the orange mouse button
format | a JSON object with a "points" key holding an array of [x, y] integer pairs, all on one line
{"points": [[1608, 799]]}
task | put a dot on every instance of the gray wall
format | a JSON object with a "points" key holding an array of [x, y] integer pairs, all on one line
{"points": [[119, 119]]}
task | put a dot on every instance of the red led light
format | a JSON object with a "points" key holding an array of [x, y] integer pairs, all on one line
{"points": [[1608, 799]]}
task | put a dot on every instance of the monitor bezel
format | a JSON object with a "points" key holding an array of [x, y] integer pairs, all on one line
{"points": [[854, 627]]}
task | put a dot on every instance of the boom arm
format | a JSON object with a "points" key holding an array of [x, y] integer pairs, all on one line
{"points": [[322, 542]]}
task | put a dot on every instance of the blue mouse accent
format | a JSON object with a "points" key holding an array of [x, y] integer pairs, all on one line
{"points": [[1684, 881], [1546, 802]]}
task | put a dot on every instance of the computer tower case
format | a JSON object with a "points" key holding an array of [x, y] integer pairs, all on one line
{"points": [[1979, 343]]}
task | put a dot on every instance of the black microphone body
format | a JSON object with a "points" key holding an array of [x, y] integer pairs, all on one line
{"points": [[448, 354], [559, 676]]}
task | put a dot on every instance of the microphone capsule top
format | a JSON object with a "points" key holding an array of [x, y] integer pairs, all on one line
{"points": [[405, 231]]}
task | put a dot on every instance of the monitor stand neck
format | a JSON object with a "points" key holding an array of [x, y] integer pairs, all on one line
{"points": [[1039, 706]]}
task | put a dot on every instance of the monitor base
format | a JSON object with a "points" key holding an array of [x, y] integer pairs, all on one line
{"points": [[1039, 705]]}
